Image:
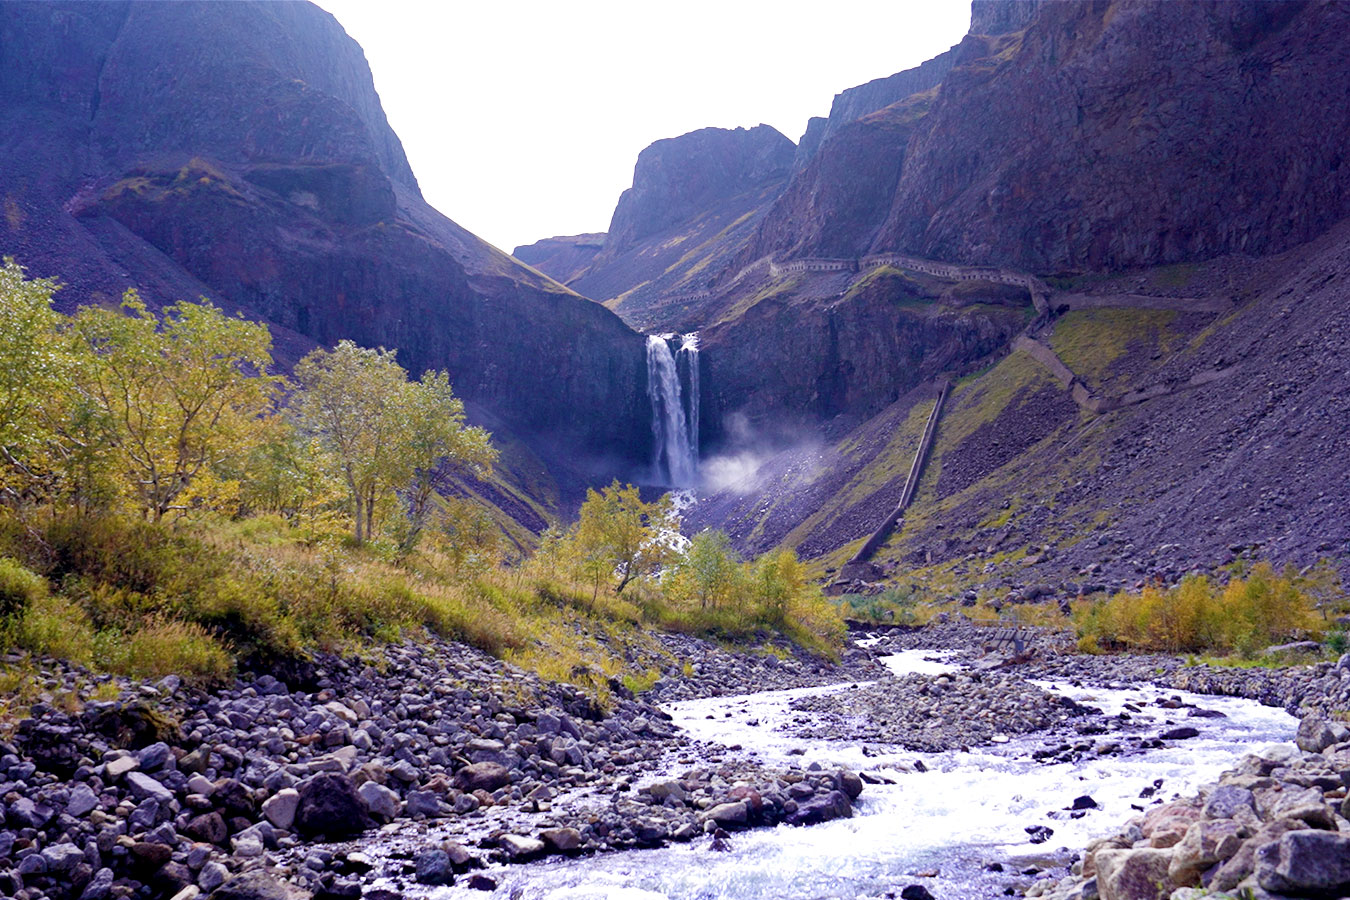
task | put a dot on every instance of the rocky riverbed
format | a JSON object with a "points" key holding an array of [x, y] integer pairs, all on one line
{"points": [[430, 763]]}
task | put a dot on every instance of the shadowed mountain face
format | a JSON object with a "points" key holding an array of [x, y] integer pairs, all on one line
{"points": [[1104, 135], [239, 150]]}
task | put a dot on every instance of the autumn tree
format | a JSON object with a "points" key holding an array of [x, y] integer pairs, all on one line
{"points": [[169, 397], [30, 368], [619, 535], [709, 571], [384, 433]]}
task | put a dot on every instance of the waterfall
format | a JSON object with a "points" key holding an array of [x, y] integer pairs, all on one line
{"points": [[675, 460], [689, 353]]}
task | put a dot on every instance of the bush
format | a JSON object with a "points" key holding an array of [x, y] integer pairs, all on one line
{"points": [[20, 587], [54, 626], [167, 647], [1198, 616]]}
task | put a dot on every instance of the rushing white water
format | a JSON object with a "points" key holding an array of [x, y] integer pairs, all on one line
{"points": [[937, 827], [674, 418]]}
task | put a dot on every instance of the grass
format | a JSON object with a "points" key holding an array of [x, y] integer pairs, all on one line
{"points": [[1090, 341]]}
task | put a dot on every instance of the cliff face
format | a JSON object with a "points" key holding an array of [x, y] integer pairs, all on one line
{"points": [[856, 102], [239, 150], [561, 258], [1100, 135], [694, 202], [1134, 133], [678, 178]]}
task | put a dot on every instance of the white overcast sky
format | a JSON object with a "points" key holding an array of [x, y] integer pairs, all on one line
{"points": [[522, 120]]}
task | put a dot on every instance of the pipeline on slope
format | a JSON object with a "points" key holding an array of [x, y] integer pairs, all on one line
{"points": [[911, 483]]}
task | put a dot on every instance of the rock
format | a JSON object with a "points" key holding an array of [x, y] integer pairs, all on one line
{"points": [[1134, 874], [480, 882], [1206, 843], [725, 814], [82, 801], [100, 886], [1039, 833], [662, 789], [850, 784], [424, 804], [520, 848], [251, 886], [482, 776], [212, 876], [561, 840], [280, 808], [119, 767], [208, 827], [61, 858], [1305, 862], [1185, 732], [1316, 733], [154, 757], [1295, 647], [1228, 801], [379, 801], [434, 867], [823, 807], [915, 892], [143, 787], [329, 805]]}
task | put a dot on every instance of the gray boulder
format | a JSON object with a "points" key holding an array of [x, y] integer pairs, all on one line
{"points": [[1303, 862]]}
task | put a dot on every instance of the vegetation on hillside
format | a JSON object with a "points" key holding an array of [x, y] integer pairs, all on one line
{"points": [[170, 504]]}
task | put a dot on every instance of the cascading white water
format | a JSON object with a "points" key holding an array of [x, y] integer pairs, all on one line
{"points": [[676, 456], [689, 353]]}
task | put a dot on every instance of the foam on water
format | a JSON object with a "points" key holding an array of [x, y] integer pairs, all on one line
{"points": [[970, 807]]}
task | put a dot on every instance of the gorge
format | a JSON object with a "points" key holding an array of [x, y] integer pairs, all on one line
{"points": [[951, 503]]}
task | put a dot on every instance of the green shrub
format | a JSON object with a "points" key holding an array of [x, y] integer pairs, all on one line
{"points": [[163, 647], [54, 626], [19, 587]]}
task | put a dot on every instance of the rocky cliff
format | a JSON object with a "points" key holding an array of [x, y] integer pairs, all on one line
{"points": [[562, 258], [239, 150], [1104, 135]]}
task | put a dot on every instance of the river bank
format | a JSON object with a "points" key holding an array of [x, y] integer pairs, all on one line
{"points": [[435, 764]]}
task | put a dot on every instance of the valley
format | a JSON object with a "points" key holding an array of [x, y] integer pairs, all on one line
{"points": [[949, 504]]}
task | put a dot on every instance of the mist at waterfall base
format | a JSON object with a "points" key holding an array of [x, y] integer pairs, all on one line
{"points": [[673, 388]]}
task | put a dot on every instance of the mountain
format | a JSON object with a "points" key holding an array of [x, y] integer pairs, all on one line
{"points": [[562, 258], [1117, 229], [238, 150]]}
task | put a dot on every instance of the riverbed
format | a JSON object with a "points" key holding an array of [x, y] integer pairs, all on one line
{"points": [[956, 823]]}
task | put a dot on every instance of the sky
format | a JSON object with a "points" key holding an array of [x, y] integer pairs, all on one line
{"points": [[522, 119]]}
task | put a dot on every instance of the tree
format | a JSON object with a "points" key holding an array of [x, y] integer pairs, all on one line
{"points": [[30, 366], [619, 535], [171, 396], [777, 580], [436, 435], [384, 432], [709, 570]]}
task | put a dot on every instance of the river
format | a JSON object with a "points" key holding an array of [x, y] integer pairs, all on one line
{"points": [[940, 828]]}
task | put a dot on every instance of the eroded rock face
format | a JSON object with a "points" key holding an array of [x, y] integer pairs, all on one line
{"points": [[239, 151], [1101, 135], [677, 178], [562, 258]]}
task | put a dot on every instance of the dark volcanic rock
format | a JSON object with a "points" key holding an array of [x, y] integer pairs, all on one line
{"points": [[239, 151], [329, 805], [563, 258], [676, 178]]}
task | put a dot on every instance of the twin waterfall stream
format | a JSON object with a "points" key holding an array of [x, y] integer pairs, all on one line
{"points": [[673, 386]]}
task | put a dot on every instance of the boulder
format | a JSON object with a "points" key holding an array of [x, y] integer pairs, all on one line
{"points": [[329, 805], [482, 776], [1134, 874], [1316, 733], [822, 807], [143, 787], [561, 840], [519, 848], [1229, 801], [725, 814], [252, 886], [379, 801], [1206, 843], [280, 808], [1305, 862], [434, 867]]}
